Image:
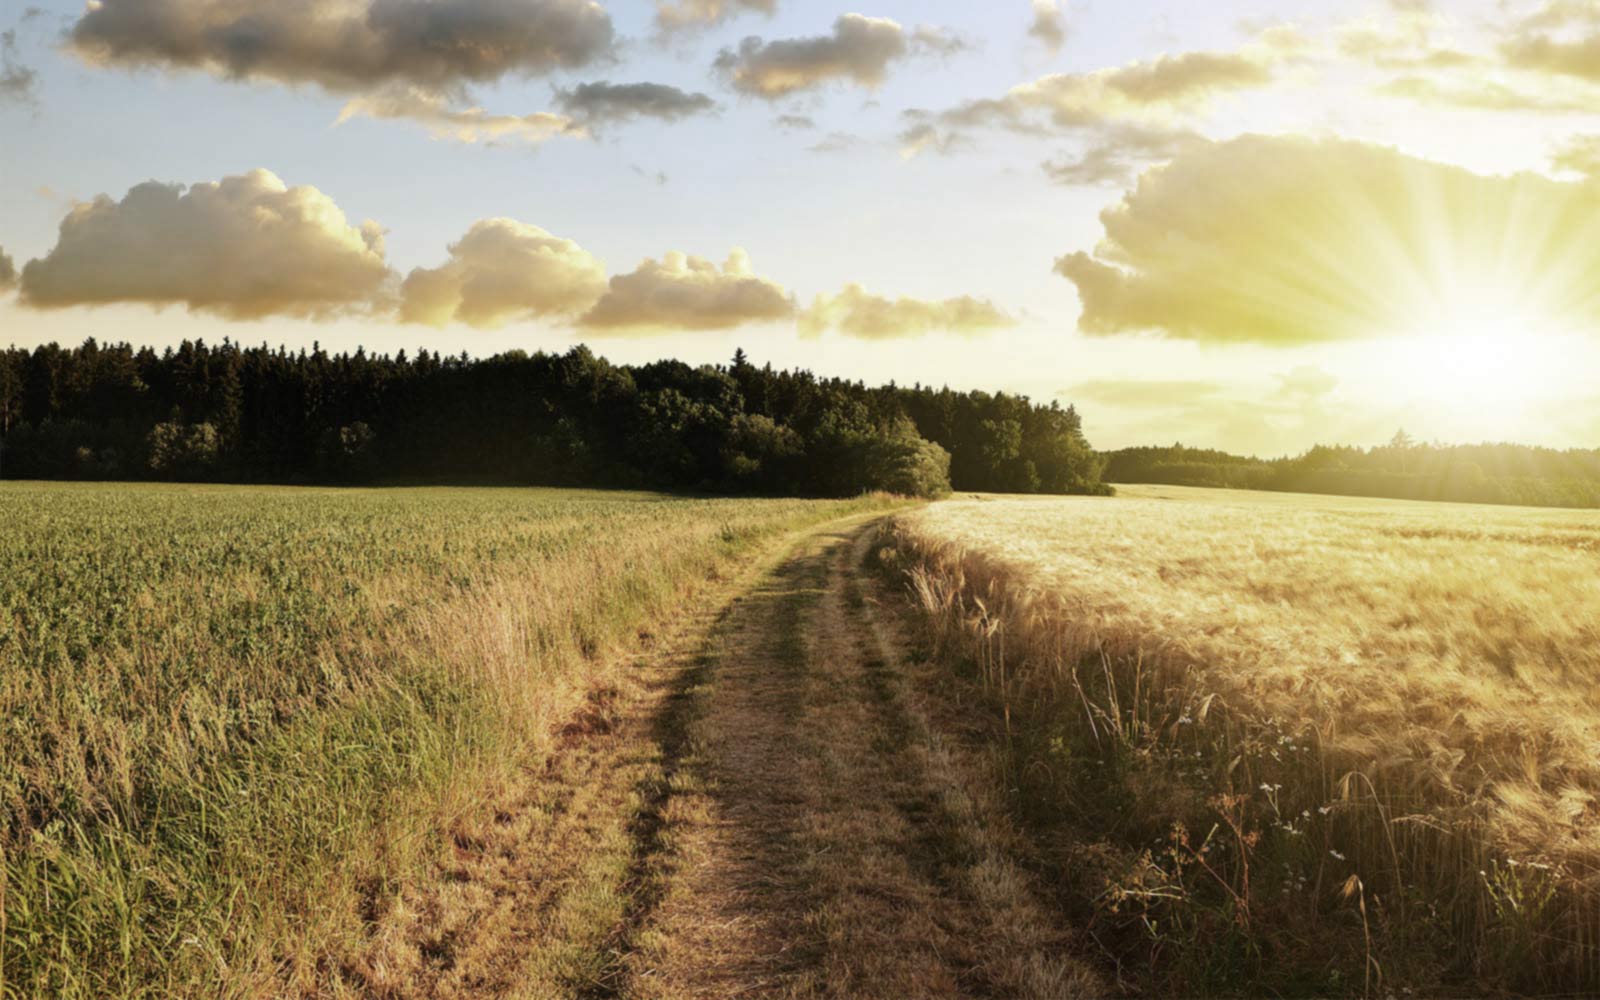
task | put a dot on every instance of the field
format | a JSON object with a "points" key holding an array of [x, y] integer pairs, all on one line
{"points": [[457, 743], [1288, 743], [240, 724]]}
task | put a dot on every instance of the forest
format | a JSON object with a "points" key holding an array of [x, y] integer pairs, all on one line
{"points": [[1402, 469], [225, 413]]}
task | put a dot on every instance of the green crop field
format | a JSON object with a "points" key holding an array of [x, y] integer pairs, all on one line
{"points": [[230, 713]]}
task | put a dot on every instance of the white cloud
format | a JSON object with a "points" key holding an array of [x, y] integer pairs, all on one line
{"points": [[502, 271], [244, 248]]}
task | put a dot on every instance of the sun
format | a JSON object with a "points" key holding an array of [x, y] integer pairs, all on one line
{"points": [[1481, 361]]}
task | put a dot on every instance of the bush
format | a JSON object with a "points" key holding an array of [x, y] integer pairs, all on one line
{"points": [[182, 451]]}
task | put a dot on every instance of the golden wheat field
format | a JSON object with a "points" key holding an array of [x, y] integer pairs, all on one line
{"points": [[1357, 739]]}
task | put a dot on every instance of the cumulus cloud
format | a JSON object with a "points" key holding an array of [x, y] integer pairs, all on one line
{"points": [[1285, 240], [679, 16], [244, 248], [412, 59], [8, 272], [461, 124], [856, 313], [610, 102], [680, 292], [348, 45], [859, 50], [1049, 24], [500, 272]]}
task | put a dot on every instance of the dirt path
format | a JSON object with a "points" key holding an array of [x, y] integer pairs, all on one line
{"points": [[762, 810], [828, 842]]}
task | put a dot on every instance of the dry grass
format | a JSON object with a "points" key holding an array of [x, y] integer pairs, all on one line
{"points": [[241, 727], [1359, 737]]}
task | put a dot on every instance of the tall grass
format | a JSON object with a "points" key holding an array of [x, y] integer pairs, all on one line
{"points": [[1295, 744], [232, 718]]}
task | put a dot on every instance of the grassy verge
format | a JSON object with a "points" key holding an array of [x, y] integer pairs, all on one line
{"points": [[237, 720]]}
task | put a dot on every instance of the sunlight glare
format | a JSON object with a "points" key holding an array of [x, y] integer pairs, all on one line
{"points": [[1484, 352]]}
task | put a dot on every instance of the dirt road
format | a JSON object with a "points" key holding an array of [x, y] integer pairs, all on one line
{"points": [[763, 810]]}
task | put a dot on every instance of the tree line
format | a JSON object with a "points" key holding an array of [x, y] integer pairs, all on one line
{"points": [[1402, 469], [226, 413]]}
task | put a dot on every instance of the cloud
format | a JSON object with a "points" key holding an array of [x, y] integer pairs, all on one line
{"points": [[937, 41], [466, 125], [681, 292], [1285, 240], [795, 123], [923, 137], [1243, 416], [1542, 53], [682, 16], [244, 248], [1175, 80], [8, 272], [859, 50], [1150, 92], [595, 103], [1554, 14], [348, 45], [1480, 94], [1168, 83], [1387, 41], [856, 313], [18, 83], [1531, 70], [1306, 382], [1138, 393], [500, 272], [1049, 24], [835, 142], [1115, 153], [1406, 49], [1578, 155]]}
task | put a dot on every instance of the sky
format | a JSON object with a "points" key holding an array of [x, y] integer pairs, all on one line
{"points": [[1255, 226]]}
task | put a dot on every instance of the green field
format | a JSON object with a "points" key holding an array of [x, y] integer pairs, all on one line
{"points": [[233, 714]]}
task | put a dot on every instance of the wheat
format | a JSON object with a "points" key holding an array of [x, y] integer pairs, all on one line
{"points": [[1410, 687]]}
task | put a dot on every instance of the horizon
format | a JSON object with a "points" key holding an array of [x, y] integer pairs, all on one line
{"points": [[1396, 229]]}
